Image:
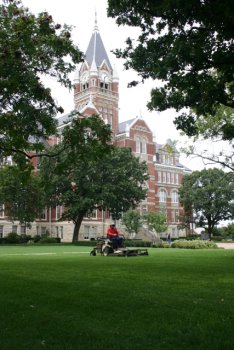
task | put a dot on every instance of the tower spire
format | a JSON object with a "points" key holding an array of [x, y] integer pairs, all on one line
{"points": [[95, 29]]}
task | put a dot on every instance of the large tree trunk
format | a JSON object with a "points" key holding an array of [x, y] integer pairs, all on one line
{"points": [[77, 228]]}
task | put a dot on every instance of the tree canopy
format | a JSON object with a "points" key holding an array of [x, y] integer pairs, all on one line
{"points": [[188, 47], [156, 221], [89, 173], [21, 194], [208, 195], [133, 221], [31, 48]]}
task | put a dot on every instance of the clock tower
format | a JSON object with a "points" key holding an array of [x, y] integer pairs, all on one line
{"points": [[96, 83]]}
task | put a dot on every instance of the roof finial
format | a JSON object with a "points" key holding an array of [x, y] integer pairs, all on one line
{"points": [[95, 22]]}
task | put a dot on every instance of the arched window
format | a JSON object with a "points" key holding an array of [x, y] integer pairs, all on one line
{"points": [[143, 146], [174, 197], [162, 196], [138, 145]]}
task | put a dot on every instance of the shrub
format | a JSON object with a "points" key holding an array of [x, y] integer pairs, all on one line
{"points": [[49, 240], [161, 244], [36, 238], [24, 238], [195, 244], [12, 238], [217, 238]]}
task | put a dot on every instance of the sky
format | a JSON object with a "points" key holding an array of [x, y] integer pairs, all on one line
{"points": [[132, 101]]}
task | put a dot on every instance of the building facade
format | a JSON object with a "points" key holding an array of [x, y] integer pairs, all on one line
{"points": [[96, 91]]}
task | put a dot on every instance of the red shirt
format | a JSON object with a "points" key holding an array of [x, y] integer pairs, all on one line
{"points": [[112, 232]]}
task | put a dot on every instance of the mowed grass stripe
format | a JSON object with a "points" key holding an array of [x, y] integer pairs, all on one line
{"points": [[172, 299]]}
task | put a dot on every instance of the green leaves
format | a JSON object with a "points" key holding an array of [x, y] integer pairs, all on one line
{"points": [[21, 193], [209, 194], [133, 221], [156, 221], [189, 47], [90, 173], [31, 47]]}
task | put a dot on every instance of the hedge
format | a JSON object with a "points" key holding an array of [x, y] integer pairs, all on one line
{"points": [[195, 244]]}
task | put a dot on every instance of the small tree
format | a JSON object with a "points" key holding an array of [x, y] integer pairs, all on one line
{"points": [[156, 222], [133, 222]]}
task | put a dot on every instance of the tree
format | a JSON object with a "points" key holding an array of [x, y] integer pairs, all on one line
{"points": [[156, 221], [31, 48], [133, 221], [209, 194], [91, 174], [21, 194], [188, 47]]}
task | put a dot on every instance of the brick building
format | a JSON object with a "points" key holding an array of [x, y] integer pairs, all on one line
{"points": [[96, 91]]}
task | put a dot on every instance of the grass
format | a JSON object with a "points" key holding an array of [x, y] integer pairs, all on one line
{"points": [[66, 299]]}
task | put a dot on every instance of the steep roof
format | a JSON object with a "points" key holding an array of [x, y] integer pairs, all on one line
{"points": [[123, 125], [96, 52]]}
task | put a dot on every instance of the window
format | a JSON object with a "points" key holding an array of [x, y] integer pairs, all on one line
{"points": [[159, 176], [164, 177], [168, 178], [111, 121], [1, 231], [59, 212], [172, 178], [43, 230], [90, 232], [43, 215], [23, 230], [14, 228], [91, 214], [174, 197], [143, 146], [177, 214], [138, 145], [2, 214], [61, 232], [173, 216], [162, 196], [177, 179]]}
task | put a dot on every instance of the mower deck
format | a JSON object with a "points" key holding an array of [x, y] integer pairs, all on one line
{"points": [[129, 252]]}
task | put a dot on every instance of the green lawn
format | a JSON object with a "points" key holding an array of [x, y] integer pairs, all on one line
{"points": [[65, 299]]}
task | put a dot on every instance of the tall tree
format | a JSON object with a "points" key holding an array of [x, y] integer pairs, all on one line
{"points": [[21, 194], [91, 174], [31, 48], [188, 47], [209, 193]]}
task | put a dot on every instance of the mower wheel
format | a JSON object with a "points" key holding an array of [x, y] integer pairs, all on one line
{"points": [[93, 252], [107, 250]]}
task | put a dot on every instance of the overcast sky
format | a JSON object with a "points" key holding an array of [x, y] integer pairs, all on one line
{"points": [[132, 101]]}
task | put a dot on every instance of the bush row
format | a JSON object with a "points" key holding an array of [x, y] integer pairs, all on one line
{"points": [[13, 238], [195, 244]]}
